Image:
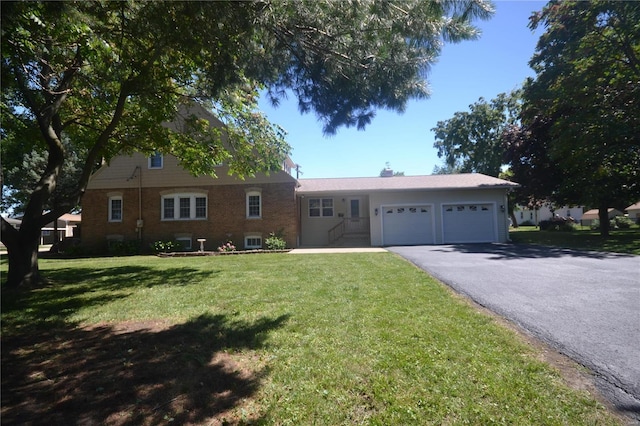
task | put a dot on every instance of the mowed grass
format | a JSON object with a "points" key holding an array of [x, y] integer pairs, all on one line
{"points": [[336, 339], [583, 238]]}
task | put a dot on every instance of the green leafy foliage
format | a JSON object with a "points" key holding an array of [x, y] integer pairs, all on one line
{"points": [[124, 248], [109, 76], [472, 141], [165, 246], [580, 136], [275, 242], [621, 222]]}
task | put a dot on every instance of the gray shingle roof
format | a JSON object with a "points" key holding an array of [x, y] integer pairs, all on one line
{"points": [[400, 183]]}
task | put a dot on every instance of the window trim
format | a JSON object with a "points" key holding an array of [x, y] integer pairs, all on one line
{"points": [[252, 246], [183, 240], [253, 193], [158, 155], [177, 207], [321, 207], [113, 198]]}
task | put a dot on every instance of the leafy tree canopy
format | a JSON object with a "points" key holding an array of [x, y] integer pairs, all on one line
{"points": [[580, 140], [471, 141], [105, 75]]}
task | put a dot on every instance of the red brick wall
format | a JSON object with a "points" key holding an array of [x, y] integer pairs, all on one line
{"points": [[226, 216]]}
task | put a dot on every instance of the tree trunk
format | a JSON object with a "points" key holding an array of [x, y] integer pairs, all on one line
{"points": [[22, 249], [514, 221], [603, 216], [23, 266]]}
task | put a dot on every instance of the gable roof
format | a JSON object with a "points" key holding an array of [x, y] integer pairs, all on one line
{"points": [[635, 206], [593, 214], [400, 183]]}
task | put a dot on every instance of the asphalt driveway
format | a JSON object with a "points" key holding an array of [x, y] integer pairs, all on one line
{"points": [[584, 304]]}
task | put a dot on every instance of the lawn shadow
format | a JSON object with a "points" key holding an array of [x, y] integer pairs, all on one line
{"points": [[527, 251], [71, 289], [186, 373]]}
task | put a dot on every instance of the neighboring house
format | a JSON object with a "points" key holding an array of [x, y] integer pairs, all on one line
{"points": [[68, 227], [535, 216], [404, 210], [589, 216], [634, 212], [156, 199]]}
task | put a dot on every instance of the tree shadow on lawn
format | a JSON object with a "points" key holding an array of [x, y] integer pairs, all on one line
{"points": [[70, 289], [528, 251], [56, 372], [131, 374]]}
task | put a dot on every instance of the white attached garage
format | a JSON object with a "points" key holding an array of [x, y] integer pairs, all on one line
{"points": [[409, 210], [469, 223], [407, 224]]}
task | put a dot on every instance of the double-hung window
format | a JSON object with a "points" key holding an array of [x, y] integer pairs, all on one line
{"points": [[115, 208], [254, 204], [320, 207], [184, 207]]}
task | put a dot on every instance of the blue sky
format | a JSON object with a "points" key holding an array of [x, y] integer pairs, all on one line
{"points": [[496, 62]]}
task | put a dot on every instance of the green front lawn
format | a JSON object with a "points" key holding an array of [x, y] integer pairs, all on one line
{"points": [[330, 339], [582, 238]]}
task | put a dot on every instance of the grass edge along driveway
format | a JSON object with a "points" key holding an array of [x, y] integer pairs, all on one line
{"points": [[335, 339]]}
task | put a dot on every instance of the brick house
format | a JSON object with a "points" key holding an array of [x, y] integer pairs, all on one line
{"points": [[143, 199], [147, 199]]}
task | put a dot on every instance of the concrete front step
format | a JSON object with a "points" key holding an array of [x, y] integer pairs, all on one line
{"points": [[352, 240]]}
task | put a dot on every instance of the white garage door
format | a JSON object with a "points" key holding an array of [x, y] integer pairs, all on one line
{"points": [[469, 223], [407, 225]]}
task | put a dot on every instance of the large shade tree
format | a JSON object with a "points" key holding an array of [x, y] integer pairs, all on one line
{"points": [[104, 76], [471, 141], [580, 137]]}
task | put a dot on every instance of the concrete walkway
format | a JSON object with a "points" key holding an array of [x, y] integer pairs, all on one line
{"points": [[324, 250]]}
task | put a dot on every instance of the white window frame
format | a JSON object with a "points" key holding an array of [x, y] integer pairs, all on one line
{"points": [[186, 242], [177, 197], [159, 156], [321, 207], [110, 207], [254, 193], [248, 246]]}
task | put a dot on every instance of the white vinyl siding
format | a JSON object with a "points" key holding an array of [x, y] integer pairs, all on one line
{"points": [[320, 207], [156, 161]]}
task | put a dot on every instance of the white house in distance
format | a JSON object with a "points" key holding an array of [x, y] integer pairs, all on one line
{"points": [[68, 227], [634, 212], [535, 216]]}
